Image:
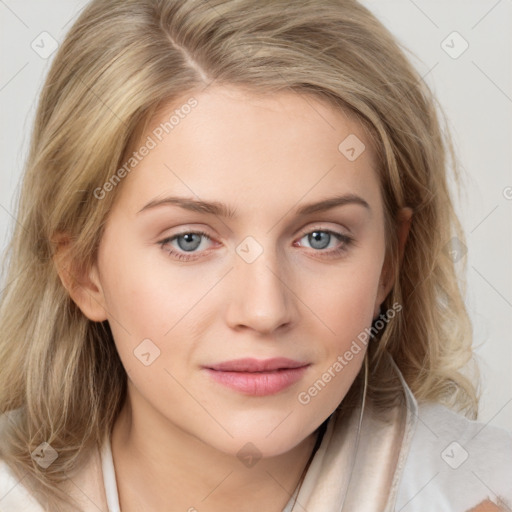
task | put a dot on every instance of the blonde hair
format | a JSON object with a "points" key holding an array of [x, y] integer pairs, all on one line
{"points": [[61, 379]]}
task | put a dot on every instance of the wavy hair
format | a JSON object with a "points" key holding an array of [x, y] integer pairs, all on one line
{"points": [[61, 379]]}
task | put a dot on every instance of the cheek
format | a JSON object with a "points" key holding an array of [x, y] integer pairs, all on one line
{"points": [[145, 293], [149, 298], [346, 302]]}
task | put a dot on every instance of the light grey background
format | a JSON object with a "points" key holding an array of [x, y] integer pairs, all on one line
{"points": [[474, 89]]}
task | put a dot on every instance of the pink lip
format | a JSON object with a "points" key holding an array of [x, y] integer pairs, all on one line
{"points": [[258, 377]]}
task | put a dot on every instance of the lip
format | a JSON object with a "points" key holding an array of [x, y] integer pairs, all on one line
{"points": [[258, 377]]}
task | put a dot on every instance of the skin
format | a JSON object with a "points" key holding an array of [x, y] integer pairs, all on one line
{"points": [[177, 437], [487, 506]]}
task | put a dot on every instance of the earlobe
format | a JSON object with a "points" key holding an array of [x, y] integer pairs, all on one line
{"points": [[83, 285]]}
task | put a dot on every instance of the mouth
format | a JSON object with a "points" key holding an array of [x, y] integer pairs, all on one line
{"points": [[257, 377]]}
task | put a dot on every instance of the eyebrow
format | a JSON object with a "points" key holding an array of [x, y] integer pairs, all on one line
{"points": [[223, 210]]}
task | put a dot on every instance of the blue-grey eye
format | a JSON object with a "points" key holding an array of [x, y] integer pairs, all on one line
{"points": [[191, 241], [319, 239]]}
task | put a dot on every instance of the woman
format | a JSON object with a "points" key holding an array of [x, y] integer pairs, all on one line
{"points": [[231, 286]]}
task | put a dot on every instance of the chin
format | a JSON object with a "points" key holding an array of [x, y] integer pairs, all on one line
{"points": [[261, 440]]}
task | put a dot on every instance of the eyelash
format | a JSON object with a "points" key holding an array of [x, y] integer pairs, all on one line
{"points": [[347, 242]]}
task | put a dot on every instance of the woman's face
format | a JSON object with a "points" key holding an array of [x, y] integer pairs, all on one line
{"points": [[275, 278]]}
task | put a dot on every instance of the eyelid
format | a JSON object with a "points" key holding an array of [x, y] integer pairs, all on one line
{"points": [[173, 236], [320, 227]]}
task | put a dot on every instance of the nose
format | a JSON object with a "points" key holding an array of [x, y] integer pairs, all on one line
{"points": [[262, 298]]}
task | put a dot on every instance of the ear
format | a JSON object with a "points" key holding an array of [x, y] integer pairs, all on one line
{"points": [[83, 285], [403, 223]]}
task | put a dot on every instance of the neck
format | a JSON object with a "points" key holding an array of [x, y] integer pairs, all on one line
{"points": [[171, 466]]}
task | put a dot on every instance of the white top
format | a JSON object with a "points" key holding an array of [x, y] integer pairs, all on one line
{"points": [[411, 458], [448, 469], [109, 478]]}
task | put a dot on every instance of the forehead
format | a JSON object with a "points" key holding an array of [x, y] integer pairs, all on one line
{"points": [[228, 143]]}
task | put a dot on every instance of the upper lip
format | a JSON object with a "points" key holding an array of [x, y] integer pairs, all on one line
{"points": [[257, 365]]}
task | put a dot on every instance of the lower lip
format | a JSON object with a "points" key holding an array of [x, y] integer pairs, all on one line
{"points": [[258, 383]]}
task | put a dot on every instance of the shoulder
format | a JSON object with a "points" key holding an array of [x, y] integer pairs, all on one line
{"points": [[455, 463], [14, 497], [85, 485]]}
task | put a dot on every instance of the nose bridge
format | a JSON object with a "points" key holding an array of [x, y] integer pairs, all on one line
{"points": [[261, 297]]}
